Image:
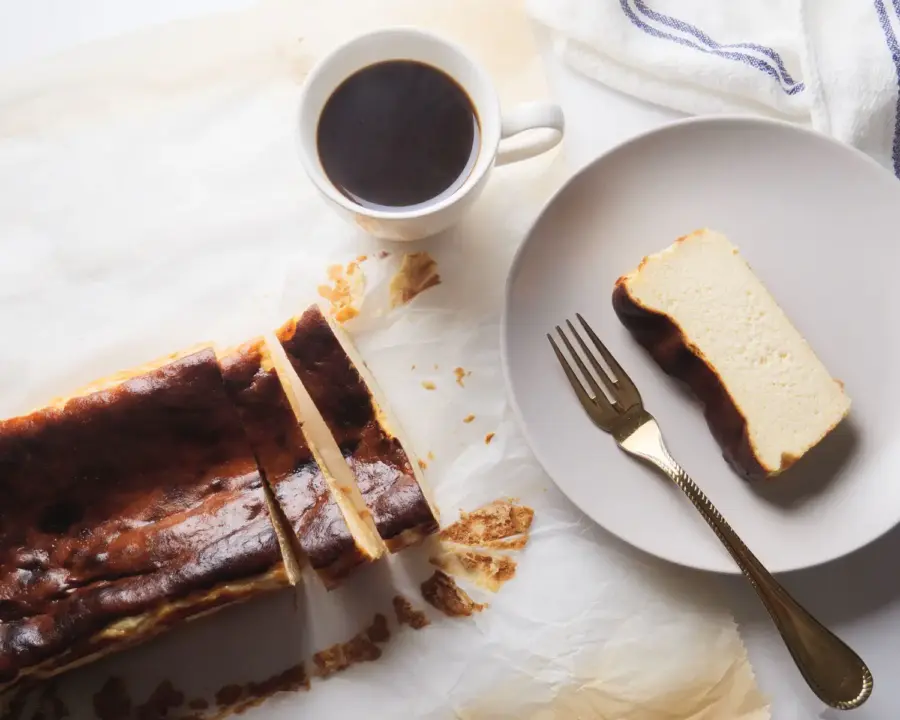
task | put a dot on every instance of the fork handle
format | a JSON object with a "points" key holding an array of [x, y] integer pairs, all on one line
{"points": [[835, 673]]}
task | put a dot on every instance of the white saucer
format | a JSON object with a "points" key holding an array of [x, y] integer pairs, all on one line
{"points": [[820, 224]]}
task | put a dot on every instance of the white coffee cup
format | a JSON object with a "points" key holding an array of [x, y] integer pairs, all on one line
{"points": [[412, 44]]}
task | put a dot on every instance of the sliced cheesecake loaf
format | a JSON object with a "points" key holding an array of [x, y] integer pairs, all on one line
{"points": [[353, 408], [315, 528], [706, 319]]}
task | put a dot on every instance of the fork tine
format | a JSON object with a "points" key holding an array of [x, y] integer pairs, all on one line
{"points": [[599, 398], [607, 381], [582, 394], [628, 389]]}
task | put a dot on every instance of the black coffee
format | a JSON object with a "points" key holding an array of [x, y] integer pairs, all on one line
{"points": [[398, 134]]}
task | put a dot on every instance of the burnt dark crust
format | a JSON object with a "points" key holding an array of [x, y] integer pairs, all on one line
{"points": [[165, 617], [300, 488], [121, 502], [666, 344], [382, 467]]}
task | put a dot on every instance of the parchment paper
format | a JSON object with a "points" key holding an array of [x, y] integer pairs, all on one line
{"points": [[151, 198]]}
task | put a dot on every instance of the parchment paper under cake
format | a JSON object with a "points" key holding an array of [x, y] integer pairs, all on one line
{"points": [[206, 228]]}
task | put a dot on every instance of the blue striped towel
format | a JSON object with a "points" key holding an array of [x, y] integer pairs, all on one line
{"points": [[833, 65]]}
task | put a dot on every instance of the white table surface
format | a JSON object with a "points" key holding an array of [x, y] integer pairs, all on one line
{"points": [[859, 596]]}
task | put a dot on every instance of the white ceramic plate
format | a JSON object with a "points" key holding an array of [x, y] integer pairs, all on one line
{"points": [[819, 223]]}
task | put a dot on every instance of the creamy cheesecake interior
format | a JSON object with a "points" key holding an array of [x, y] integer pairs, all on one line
{"points": [[728, 319]]}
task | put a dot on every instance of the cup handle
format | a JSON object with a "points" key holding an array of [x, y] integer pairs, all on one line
{"points": [[530, 116]]}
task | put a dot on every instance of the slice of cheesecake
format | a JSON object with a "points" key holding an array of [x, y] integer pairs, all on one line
{"points": [[314, 529], [704, 316], [356, 414], [327, 454]]}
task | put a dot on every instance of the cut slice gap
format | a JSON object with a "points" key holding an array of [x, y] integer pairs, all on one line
{"points": [[294, 560], [291, 554], [327, 454]]}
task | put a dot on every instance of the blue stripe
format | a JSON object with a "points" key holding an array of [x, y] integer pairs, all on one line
{"points": [[681, 25], [750, 60], [891, 40]]}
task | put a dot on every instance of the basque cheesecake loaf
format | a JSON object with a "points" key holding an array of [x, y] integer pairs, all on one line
{"points": [[706, 319], [355, 413], [126, 510], [317, 529]]}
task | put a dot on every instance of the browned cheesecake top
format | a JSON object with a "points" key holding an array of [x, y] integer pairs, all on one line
{"points": [[381, 465], [121, 501], [287, 462]]}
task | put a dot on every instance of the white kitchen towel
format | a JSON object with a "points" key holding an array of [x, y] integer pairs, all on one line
{"points": [[830, 64]]}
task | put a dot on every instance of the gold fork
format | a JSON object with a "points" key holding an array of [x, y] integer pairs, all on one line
{"points": [[832, 670]]}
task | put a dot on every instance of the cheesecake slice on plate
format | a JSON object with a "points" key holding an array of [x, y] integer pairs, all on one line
{"points": [[706, 319], [356, 414]]}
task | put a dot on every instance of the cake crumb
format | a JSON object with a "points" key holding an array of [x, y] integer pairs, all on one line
{"points": [[413, 367], [165, 698], [442, 592], [428, 385], [461, 375], [490, 572], [382, 254], [430, 455], [362, 647], [344, 295], [468, 418], [345, 314], [290, 680], [423, 464], [50, 705], [378, 631], [418, 272], [407, 615], [236, 699], [112, 701], [501, 524], [361, 258], [488, 438]]}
